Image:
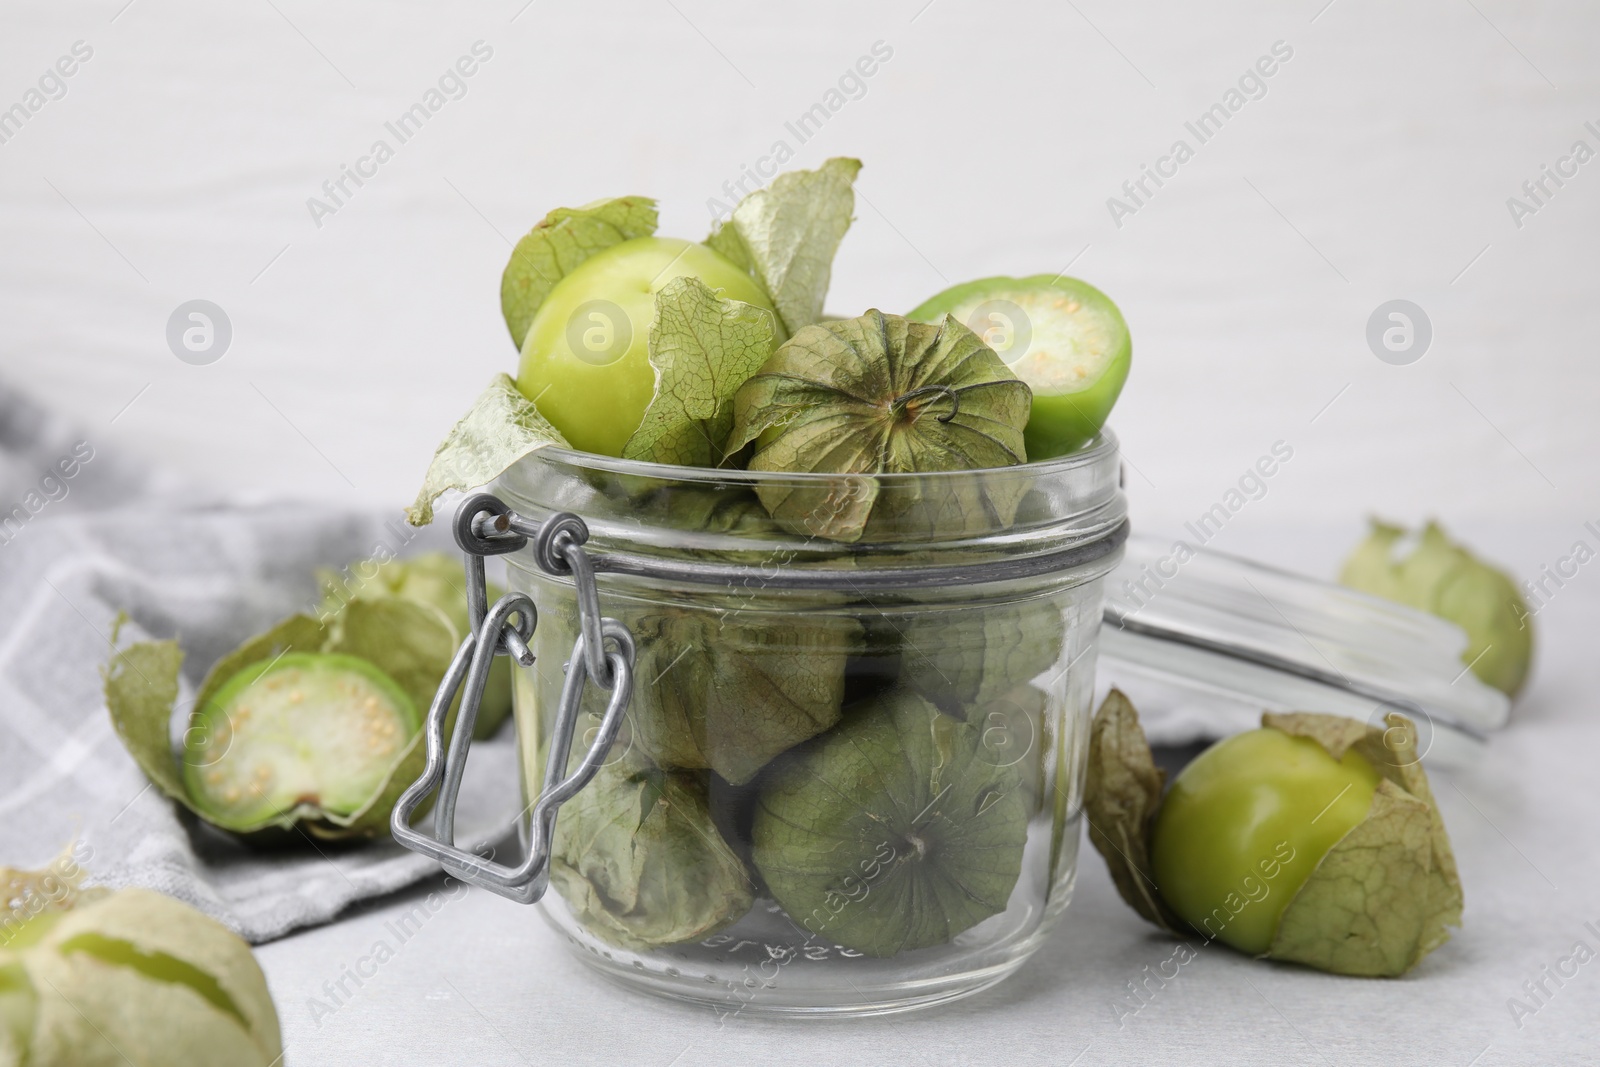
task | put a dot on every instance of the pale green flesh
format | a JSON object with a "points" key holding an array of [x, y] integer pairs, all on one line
{"points": [[1073, 342], [309, 729]]}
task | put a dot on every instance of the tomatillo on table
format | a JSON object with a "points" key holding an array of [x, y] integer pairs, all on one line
{"points": [[1064, 337], [91, 976], [1432, 573], [1245, 823], [1314, 839]]}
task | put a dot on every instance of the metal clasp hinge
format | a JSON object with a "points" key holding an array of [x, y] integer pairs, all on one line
{"points": [[603, 653]]}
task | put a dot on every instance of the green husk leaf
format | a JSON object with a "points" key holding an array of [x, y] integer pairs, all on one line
{"points": [[1379, 901], [141, 687], [639, 861], [895, 831], [1445, 579], [787, 234], [1486, 603], [1335, 733], [1121, 798], [500, 428], [729, 692], [19, 1006], [558, 243], [1370, 567], [1365, 906], [703, 348], [718, 511], [134, 976], [437, 580], [881, 395]]}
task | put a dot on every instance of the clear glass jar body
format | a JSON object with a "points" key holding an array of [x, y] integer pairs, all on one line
{"points": [[851, 775]]}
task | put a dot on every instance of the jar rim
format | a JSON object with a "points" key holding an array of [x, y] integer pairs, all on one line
{"points": [[1096, 451], [1021, 517]]}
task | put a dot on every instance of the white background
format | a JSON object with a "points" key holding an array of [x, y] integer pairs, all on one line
{"points": [[1377, 166]]}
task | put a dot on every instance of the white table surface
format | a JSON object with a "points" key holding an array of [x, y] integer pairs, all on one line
{"points": [[487, 982]]}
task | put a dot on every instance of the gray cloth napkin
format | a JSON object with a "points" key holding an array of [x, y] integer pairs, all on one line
{"points": [[113, 538]]}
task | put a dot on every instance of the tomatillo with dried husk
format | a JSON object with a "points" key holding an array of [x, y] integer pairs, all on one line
{"points": [[1244, 824], [1442, 578], [1314, 839], [313, 725], [897, 830], [639, 860], [586, 358], [94, 978], [880, 394]]}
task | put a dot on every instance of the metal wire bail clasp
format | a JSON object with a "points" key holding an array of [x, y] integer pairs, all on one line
{"points": [[603, 653]]}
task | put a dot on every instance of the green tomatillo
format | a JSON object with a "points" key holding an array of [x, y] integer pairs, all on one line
{"points": [[1244, 824], [1314, 839], [633, 345], [586, 360]]}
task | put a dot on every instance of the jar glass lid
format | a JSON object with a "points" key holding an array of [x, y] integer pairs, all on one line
{"points": [[1204, 642]]}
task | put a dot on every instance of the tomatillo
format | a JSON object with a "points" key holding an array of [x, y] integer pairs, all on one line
{"points": [[1064, 337], [1243, 826], [585, 359], [303, 728], [1314, 840]]}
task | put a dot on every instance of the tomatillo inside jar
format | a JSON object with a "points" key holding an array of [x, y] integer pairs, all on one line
{"points": [[848, 780]]}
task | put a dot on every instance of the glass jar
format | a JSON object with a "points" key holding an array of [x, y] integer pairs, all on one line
{"points": [[849, 776]]}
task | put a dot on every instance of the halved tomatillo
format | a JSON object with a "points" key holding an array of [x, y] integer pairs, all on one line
{"points": [[317, 730], [312, 726], [1064, 337]]}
